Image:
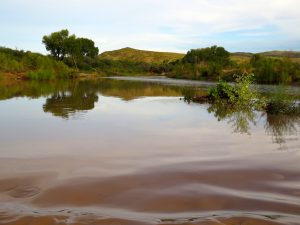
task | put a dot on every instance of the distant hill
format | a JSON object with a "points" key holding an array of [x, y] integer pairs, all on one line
{"points": [[135, 55], [289, 54]]}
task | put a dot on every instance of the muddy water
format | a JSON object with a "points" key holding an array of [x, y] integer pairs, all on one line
{"points": [[126, 152]]}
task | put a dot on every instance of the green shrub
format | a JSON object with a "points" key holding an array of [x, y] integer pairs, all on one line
{"points": [[224, 91], [212, 54], [240, 95], [274, 70]]}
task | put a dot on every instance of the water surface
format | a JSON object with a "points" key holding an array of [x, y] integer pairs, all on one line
{"points": [[129, 152]]}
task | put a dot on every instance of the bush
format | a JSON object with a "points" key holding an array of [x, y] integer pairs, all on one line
{"points": [[34, 65], [239, 95], [274, 70], [213, 54]]}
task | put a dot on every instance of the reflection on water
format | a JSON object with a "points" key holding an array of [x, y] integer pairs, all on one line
{"points": [[68, 98], [74, 98], [141, 153], [240, 119], [281, 126], [64, 104]]}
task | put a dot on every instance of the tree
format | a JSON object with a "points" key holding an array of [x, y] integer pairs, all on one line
{"points": [[213, 54], [62, 46], [55, 43], [87, 47], [73, 49]]}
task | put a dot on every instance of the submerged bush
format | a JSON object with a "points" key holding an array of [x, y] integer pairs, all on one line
{"points": [[240, 95], [222, 90]]}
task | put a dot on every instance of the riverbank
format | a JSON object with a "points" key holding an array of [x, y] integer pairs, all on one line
{"points": [[266, 69]]}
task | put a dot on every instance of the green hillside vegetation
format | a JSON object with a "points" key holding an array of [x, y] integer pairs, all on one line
{"points": [[31, 65], [135, 55]]}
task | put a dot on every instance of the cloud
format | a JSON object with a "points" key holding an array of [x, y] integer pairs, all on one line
{"points": [[172, 25]]}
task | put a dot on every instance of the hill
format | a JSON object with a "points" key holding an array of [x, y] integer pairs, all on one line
{"points": [[245, 56], [289, 54], [135, 55]]}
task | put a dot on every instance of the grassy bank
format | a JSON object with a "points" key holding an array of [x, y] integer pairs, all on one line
{"points": [[34, 66]]}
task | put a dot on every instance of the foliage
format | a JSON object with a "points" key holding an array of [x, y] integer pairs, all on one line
{"points": [[201, 64], [212, 54], [56, 43], [274, 70], [62, 45], [240, 95], [222, 91], [33, 65]]}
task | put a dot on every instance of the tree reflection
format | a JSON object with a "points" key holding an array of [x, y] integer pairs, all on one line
{"points": [[65, 104], [69, 98], [280, 126], [239, 118]]}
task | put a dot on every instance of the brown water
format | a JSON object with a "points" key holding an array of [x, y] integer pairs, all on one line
{"points": [[127, 152]]}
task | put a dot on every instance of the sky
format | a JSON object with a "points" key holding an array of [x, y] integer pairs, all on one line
{"points": [[161, 25]]}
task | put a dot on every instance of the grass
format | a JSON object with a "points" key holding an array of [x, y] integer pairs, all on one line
{"points": [[135, 55], [40, 75]]}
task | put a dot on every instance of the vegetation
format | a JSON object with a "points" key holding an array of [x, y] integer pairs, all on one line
{"points": [[239, 105], [211, 63], [69, 48], [70, 54], [32, 65], [274, 70], [205, 63], [213, 54], [240, 95], [238, 102]]}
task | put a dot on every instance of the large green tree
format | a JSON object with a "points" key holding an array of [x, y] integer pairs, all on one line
{"points": [[55, 43], [62, 45]]}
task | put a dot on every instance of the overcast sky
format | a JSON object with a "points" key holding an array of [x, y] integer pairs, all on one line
{"points": [[164, 25]]}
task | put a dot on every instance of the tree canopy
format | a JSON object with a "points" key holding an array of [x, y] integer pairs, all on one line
{"points": [[56, 43], [61, 45], [212, 54]]}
